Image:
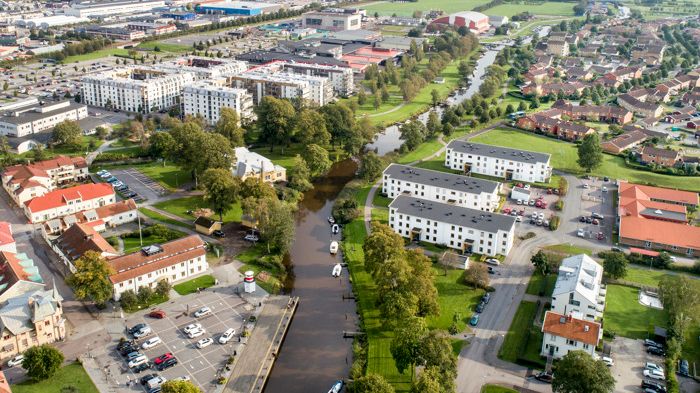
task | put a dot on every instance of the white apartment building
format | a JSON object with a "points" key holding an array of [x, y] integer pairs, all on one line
{"points": [[564, 333], [206, 99], [173, 261], [63, 202], [204, 67], [501, 162], [32, 118], [333, 19], [89, 8], [465, 229], [268, 81], [342, 79], [135, 89], [578, 290], [464, 191]]}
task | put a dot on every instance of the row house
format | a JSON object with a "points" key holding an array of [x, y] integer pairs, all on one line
{"points": [[63, 202], [461, 228], [568, 88], [24, 182], [598, 113], [108, 216], [663, 157], [459, 190], [645, 109], [496, 161], [625, 141], [559, 128], [691, 97]]}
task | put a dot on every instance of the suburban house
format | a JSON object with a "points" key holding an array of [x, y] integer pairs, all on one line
{"points": [[464, 191], [625, 141], [578, 290], [76, 241], [108, 216], [638, 106], [7, 241], [173, 261], [663, 157], [657, 218], [553, 126], [251, 164], [564, 333], [63, 202], [496, 161], [601, 113], [24, 182], [461, 228]]}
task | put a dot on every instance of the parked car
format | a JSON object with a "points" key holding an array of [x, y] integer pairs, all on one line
{"points": [[143, 332], [491, 270], [160, 359], [196, 333], [194, 326], [133, 355], [158, 314], [493, 261], [486, 298], [597, 216], [155, 382], [151, 342], [142, 367], [474, 320], [582, 219], [139, 360], [15, 361], [136, 328], [683, 368], [608, 361], [656, 351], [125, 344], [144, 380], [251, 238], [544, 377], [227, 336], [219, 233], [205, 342], [182, 378], [650, 384], [167, 364], [651, 343], [581, 233], [202, 312], [653, 366], [128, 349], [654, 374], [600, 236]]}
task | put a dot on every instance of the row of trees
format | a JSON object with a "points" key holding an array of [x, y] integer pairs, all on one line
{"points": [[86, 45]]}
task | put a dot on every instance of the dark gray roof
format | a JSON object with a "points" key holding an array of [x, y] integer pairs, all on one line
{"points": [[451, 214], [39, 137], [261, 57], [450, 181], [498, 152], [664, 214]]}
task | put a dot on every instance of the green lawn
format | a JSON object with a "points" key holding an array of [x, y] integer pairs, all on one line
{"points": [[455, 298], [539, 283], [251, 261], [181, 206], [388, 8], [569, 249], [626, 317], [132, 244], [70, 378], [164, 46], [96, 55], [159, 217], [544, 8], [423, 150], [171, 177], [191, 286], [155, 299], [522, 340], [564, 157], [284, 156], [496, 389]]}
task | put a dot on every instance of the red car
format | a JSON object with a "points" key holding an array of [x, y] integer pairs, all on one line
{"points": [[600, 236], [506, 210], [158, 314], [160, 359]]}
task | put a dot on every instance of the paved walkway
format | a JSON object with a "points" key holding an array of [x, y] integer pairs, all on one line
{"points": [[253, 367]]}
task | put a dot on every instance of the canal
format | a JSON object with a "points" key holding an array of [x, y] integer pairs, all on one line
{"points": [[314, 353]]}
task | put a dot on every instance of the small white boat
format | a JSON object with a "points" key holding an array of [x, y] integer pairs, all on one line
{"points": [[334, 247], [336, 270], [335, 229], [337, 387]]}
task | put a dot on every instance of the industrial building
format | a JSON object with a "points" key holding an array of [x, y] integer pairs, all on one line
{"points": [[115, 33], [32, 118], [242, 8], [206, 99], [474, 21], [97, 8], [333, 19]]}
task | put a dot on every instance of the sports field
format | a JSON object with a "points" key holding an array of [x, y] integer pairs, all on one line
{"points": [[388, 8], [544, 8]]}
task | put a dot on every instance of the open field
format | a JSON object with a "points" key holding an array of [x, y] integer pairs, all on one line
{"points": [[181, 206], [564, 157], [626, 317], [666, 9], [96, 55], [523, 340], [455, 298], [70, 378], [388, 8], [164, 46], [545, 8]]}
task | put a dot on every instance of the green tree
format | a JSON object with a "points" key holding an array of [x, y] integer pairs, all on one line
{"points": [[413, 134], [91, 278], [144, 294], [381, 244], [434, 97], [477, 275], [428, 381], [361, 96], [433, 124], [371, 383], [128, 300], [371, 166], [229, 126], [311, 128], [406, 345], [174, 386], [578, 372], [275, 121], [191, 141], [615, 265], [317, 159], [162, 145], [300, 175], [345, 210], [220, 190], [67, 133], [42, 361], [590, 154], [681, 297], [541, 262], [5, 86], [275, 221]]}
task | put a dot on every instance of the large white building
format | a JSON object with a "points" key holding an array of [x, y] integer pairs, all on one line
{"points": [[206, 99], [204, 67], [578, 290], [35, 117], [333, 19], [251, 164], [63, 202], [341, 78], [461, 228], [135, 89], [89, 8], [464, 191], [496, 161], [173, 261], [564, 333], [269, 81]]}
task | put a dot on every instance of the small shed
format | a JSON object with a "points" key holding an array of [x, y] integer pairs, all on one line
{"points": [[206, 225], [520, 193], [660, 334], [249, 221]]}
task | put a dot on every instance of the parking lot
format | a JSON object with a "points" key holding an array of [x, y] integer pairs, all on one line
{"points": [[526, 209], [630, 356], [143, 186], [596, 198], [202, 366]]}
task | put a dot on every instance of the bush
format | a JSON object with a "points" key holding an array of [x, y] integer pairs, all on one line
{"points": [[559, 205], [554, 223], [163, 287], [144, 294], [128, 300], [563, 186], [608, 334], [345, 210]]}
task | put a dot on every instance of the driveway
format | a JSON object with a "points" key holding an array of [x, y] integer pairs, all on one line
{"points": [[629, 356]]}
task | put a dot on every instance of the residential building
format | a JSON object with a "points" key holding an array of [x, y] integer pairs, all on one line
{"points": [[18, 274], [7, 241], [63, 202], [635, 105], [558, 47], [341, 78], [269, 81], [251, 164], [601, 113], [663, 157], [206, 99], [205, 68], [102, 8], [564, 333], [173, 261], [333, 19], [461, 228], [76, 241], [625, 141], [464, 191], [31, 119], [579, 290], [657, 218], [24, 182], [501, 162], [135, 89], [561, 129], [108, 216]]}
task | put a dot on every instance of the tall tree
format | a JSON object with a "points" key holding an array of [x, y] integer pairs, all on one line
{"points": [[91, 278], [275, 121], [477, 275], [340, 121], [541, 262], [371, 383], [681, 297], [275, 221], [317, 159], [382, 244], [371, 166], [433, 124], [590, 154], [162, 145], [413, 134], [578, 372], [406, 345], [67, 133], [428, 381], [615, 265], [311, 128], [220, 190], [435, 97], [300, 175], [422, 284], [174, 386], [229, 126], [42, 361]]}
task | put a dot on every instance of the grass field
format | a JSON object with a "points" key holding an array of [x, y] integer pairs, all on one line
{"points": [[180, 206], [545, 8], [626, 317], [164, 46], [496, 389], [159, 217], [388, 8], [191, 286], [96, 55], [250, 259], [455, 298], [171, 177], [539, 283], [135, 243], [522, 340], [70, 378], [569, 249], [564, 157]]}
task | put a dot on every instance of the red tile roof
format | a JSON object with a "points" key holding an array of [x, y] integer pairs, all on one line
{"points": [[10, 269], [639, 191], [58, 198], [81, 238], [571, 328], [6, 233]]}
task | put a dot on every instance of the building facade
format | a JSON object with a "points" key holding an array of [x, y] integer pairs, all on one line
{"points": [[579, 290], [334, 20], [501, 162], [110, 7], [24, 182], [341, 78], [461, 228], [564, 333], [31, 119], [206, 99], [268, 81], [63, 202], [251, 164]]}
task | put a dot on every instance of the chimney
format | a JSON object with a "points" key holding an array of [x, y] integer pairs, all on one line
{"points": [[586, 328], [88, 237], [569, 318]]}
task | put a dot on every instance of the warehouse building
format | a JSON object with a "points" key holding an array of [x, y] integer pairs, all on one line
{"points": [[333, 19], [242, 8], [34, 118], [97, 8]]}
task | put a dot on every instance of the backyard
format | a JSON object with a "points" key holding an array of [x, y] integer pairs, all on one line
{"points": [[626, 317], [523, 341], [70, 378], [564, 156], [181, 206]]}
